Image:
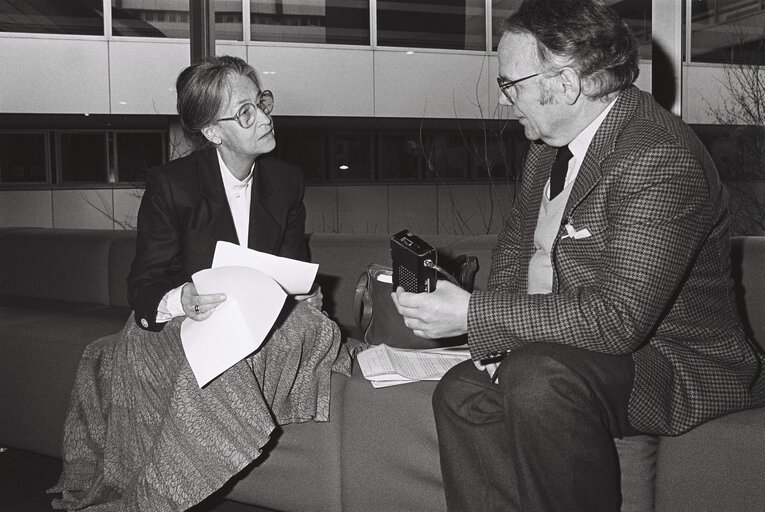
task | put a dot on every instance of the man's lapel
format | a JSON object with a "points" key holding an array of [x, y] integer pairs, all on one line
{"points": [[602, 145]]}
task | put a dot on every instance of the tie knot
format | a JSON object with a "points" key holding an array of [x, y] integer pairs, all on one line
{"points": [[563, 154]]}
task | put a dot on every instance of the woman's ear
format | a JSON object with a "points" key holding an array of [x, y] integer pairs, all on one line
{"points": [[212, 134], [571, 85]]}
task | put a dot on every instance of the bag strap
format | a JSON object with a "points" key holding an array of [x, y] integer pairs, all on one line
{"points": [[362, 303]]}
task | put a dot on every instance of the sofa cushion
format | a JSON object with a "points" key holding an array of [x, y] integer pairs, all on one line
{"points": [[61, 264], [39, 353], [747, 257], [637, 460], [717, 466], [390, 449], [121, 257]]}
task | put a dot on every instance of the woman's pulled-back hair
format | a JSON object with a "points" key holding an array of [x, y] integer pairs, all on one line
{"points": [[203, 89], [585, 35]]}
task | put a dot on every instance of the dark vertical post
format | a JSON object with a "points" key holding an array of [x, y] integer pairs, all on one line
{"points": [[202, 14]]}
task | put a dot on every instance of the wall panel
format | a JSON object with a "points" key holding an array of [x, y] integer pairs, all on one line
{"points": [[316, 81], [143, 75], [54, 75], [428, 84], [26, 208]]}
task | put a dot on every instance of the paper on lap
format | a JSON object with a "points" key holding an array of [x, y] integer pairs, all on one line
{"points": [[256, 285], [296, 277]]}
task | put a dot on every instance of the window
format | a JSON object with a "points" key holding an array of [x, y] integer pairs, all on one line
{"points": [[306, 149], [635, 13], [450, 24], [159, 18], [446, 156], [137, 152], [350, 157], [728, 31], [82, 17], [23, 158], [399, 156], [320, 21], [83, 157]]}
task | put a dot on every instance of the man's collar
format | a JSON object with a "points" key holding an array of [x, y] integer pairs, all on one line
{"points": [[581, 142]]}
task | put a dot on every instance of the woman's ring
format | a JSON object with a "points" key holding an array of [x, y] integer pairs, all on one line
{"points": [[196, 308]]}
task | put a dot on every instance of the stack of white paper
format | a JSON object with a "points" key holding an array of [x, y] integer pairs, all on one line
{"points": [[387, 366]]}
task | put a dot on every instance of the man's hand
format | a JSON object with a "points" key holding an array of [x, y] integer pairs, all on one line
{"points": [[315, 298], [199, 307], [440, 314]]}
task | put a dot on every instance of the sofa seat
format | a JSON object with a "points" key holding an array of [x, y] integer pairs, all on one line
{"points": [[62, 289]]}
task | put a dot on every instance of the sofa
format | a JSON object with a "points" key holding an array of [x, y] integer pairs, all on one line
{"points": [[61, 289]]}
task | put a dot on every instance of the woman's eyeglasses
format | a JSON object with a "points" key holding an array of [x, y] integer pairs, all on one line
{"points": [[249, 111]]}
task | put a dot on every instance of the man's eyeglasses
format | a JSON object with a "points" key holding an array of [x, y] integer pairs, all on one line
{"points": [[248, 112], [506, 85]]}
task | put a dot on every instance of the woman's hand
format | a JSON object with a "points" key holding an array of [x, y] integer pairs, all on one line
{"points": [[199, 307], [314, 297]]}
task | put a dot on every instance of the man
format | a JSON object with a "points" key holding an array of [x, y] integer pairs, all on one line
{"points": [[609, 300]]}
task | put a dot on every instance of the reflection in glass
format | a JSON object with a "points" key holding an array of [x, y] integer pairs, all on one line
{"points": [[399, 156], [52, 17], [22, 158], [306, 149], [351, 157], [137, 152], [150, 18], [446, 156], [83, 157], [450, 24], [310, 21], [636, 13], [728, 31]]}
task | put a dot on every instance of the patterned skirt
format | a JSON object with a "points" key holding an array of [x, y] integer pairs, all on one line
{"points": [[141, 435]]}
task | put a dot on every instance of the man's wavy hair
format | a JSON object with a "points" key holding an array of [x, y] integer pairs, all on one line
{"points": [[585, 35], [203, 88]]}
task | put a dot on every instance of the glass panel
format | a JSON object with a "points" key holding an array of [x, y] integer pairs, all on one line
{"points": [[451, 24], [304, 149], [22, 158], [636, 13], [137, 152], [446, 156], [728, 31], [52, 17], [150, 18], [399, 156], [738, 151], [310, 21], [490, 157], [228, 20], [83, 157], [351, 157]]}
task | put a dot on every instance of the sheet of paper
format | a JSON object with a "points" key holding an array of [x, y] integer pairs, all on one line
{"points": [[238, 326], [296, 277], [387, 366]]}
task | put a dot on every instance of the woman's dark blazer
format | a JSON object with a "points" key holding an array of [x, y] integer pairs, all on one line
{"points": [[184, 213]]}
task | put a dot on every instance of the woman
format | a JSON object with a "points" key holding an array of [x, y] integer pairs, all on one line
{"points": [[140, 433]]}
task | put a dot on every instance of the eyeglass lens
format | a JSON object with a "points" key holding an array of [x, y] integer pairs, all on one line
{"points": [[248, 113]]}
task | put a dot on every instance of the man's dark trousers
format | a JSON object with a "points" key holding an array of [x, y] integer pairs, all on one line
{"points": [[541, 438]]}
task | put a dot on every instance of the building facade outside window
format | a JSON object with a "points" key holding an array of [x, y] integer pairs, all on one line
{"points": [[728, 31], [310, 21], [446, 24]]}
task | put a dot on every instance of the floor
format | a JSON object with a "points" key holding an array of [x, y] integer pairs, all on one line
{"points": [[25, 476]]}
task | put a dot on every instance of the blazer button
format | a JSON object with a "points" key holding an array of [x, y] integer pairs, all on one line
{"points": [[145, 323]]}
